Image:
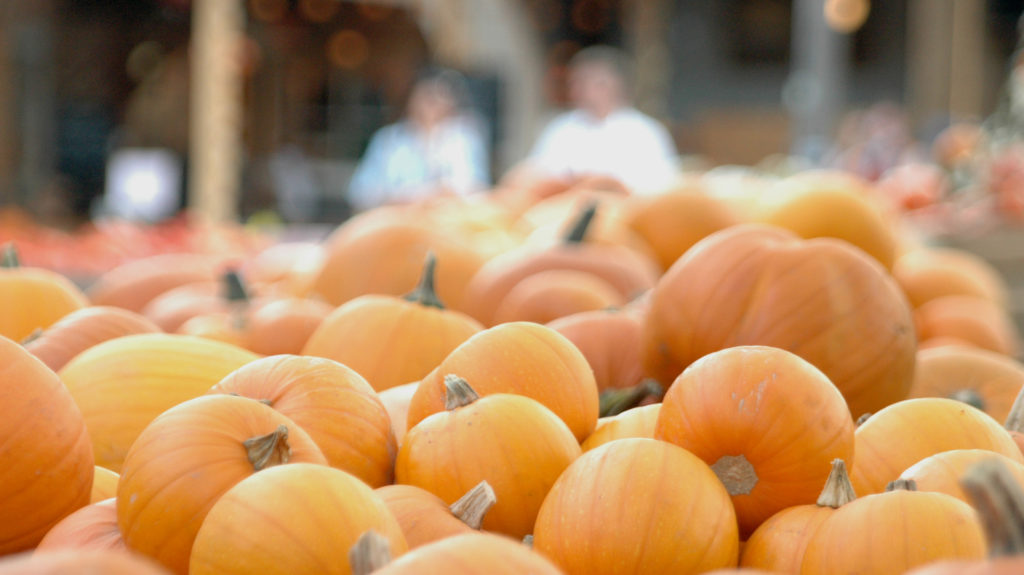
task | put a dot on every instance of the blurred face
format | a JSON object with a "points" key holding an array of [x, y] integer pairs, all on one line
{"points": [[595, 88], [430, 104]]}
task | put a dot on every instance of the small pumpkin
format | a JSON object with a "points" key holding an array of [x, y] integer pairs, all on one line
{"points": [[968, 319], [471, 554], [636, 422], [425, 517], [173, 308], [33, 298], [663, 495], [987, 380], [134, 284], [295, 518], [83, 562], [82, 329], [548, 295], [942, 472], [611, 342], [285, 325], [91, 527], [104, 484], [930, 273]]}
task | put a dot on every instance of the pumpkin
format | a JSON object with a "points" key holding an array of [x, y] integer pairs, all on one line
{"points": [[173, 308], [636, 422], [819, 298], [471, 554], [727, 408], [219, 326], [396, 401], [104, 484], [122, 384], [33, 298], [425, 518], [47, 470], [664, 495], [942, 472], [904, 433], [892, 532], [369, 332], [297, 518], [610, 340], [780, 542], [522, 358], [477, 439], [91, 527], [285, 325], [552, 218], [930, 273], [191, 455], [1015, 420], [79, 562], [82, 329], [551, 294], [134, 284], [990, 381], [330, 402], [969, 319]]}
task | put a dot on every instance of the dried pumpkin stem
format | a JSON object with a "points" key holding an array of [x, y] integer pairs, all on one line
{"points": [[582, 224], [1015, 420], [736, 473], [9, 256], [371, 552], [838, 490], [36, 334], [457, 392], [862, 419], [901, 485], [615, 401], [425, 294], [472, 506], [234, 287], [528, 541], [999, 500], [269, 450]]}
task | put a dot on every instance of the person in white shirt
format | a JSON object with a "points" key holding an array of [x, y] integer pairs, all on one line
{"points": [[438, 148], [604, 134]]}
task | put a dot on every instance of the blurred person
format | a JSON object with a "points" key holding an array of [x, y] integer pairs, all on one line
{"points": [[438, 148], [604, 134]]}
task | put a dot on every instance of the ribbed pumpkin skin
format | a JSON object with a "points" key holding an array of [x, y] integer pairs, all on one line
{"points": [[423, 516], [925, 426], [35, 298], [184, 461], [471, 554], [368, 334], [450, 452], [944, 371], [759, 285], [104, 484], [47, 469], [84, 328], [755, 401], [889, 533], [781, 541], [941, 472], [91, 527], [522, 358], [79, 562], [298, 518], [122, 384], [330, 402], [611, 342], [636, 422], [676, 517]]}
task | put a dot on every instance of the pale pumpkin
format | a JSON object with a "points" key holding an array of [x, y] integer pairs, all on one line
{"points": [[471, 554], [988, 380], [104, 484], [82, 329], [929, 273], [91, 527], [396, 401], [611, 342], [80, 562], [970, 319], [548, 295], [636, 422], [942, 472], [425, 517]]}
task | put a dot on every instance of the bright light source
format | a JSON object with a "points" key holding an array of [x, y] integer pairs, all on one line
{"points": [[846, 16]]}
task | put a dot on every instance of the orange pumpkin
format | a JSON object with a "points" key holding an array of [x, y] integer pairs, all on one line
{"points": [[219, 326], [284, 325], [726, 409], [173, 308], [331, 402], [122, 384], [187, 458], [91, 527], [892, 532], [990, 380], [780, 542], [904, 433], [82, 329], [396, 401], [297, 518], [471, 554], [425, 518], [552, 218], [521, 358], [368, 334], [636, 422], [47, 459], [33, 298], [104, 484], [758, 285], [134, 284], [942, 472], [969, 319], [930, 273], [475, 439], [610, 340], [80, 561], [665, 495], [551, 294]]}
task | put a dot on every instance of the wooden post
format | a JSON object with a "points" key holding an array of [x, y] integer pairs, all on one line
{"points": [[967, 67], [216, 92], [648, 34]]}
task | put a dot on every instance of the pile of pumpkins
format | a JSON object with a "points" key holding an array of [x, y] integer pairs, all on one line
{"points": [[557, 377]]}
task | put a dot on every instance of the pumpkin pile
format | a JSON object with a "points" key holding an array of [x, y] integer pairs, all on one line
{"points": [[559, 377]]}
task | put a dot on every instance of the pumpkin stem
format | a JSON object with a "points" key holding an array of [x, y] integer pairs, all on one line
{"points": [[999, 500], [234, 287], [457, 392], [528, 540], [579, 228], [736, 473], [36, 334], [472, 506], [615, 401], [838, 490], [862, 419], [268, 450], [1015, 420], [425, 294], [9, 257], [901, 485], [970, 397], [371, 552]]}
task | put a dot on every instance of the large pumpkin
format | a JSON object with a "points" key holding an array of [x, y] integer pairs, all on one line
{"points": [[122, 384], [942, 472], [80, 562], [747, 412], [82, 329], [611, 342], [47, 463], [988, 380], [33, 298], [904, 433], [191, 455], [91, 527], [821, 299], [471, 554], [298, 518], [522, 358], [330, 402], [513, 442], [425, 517], [637, 506]]}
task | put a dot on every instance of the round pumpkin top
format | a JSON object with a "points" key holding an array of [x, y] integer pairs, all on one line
{"points": [[33, 298], [471, 554]]}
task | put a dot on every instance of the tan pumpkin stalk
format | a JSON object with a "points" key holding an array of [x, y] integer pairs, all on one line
{"points": [[371, 552]]}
